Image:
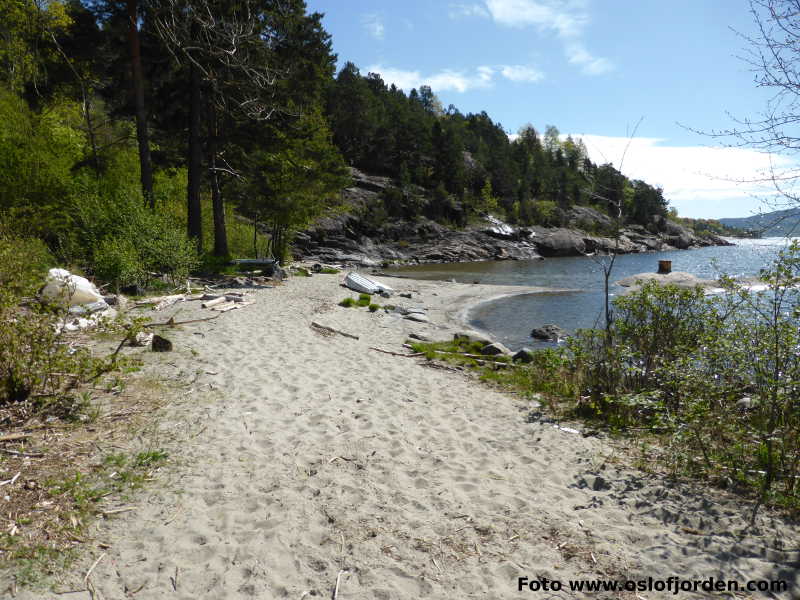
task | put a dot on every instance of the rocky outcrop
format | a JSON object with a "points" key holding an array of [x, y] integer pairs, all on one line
{"points": [[357, 236], [549, 332], [560, 242]]}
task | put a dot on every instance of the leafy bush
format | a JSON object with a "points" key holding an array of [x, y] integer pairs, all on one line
{"points": [[374, 307], [23, 266], [347, 302], [717, 376], [125, 241], [36, 365], [117, 260], [545, 213]]}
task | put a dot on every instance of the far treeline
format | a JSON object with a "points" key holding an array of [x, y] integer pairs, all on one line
{"points": [[152, 135]]}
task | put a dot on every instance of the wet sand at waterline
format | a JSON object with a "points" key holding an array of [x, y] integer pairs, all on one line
{"points": [[299, 460]]}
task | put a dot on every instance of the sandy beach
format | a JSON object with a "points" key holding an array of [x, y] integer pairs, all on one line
{"points": [[305, 465]]}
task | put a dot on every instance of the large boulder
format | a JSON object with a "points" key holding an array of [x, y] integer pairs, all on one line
{"points": [[560, 242], [549, 332], [495, 349], [524, 355], [681, 242]]}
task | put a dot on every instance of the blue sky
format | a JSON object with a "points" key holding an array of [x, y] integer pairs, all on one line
{"points": [[592, 68]]}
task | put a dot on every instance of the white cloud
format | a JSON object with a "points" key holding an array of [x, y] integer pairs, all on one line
{"points": [[457, 81], [521, 73], [457, 11], [566, 18], [373, 23], [578, 55], [485, 74], [699, 181]]}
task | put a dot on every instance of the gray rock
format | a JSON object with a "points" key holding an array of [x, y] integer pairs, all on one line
{"points": [[549, 332], [589, 219], [349, 236], [561, 242], [597, 483], [472, 336], [524, 355], [419, 318], [161, 344], [495, 349]]}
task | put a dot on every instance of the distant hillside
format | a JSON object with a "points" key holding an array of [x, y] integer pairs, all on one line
{"points": [[773, 224]]}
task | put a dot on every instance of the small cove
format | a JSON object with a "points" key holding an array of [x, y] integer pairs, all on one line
{"points": [[511, 318]]}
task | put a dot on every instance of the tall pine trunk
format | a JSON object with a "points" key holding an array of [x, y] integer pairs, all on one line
{"points": [[194, 210], [217, 201], [138, 95]]}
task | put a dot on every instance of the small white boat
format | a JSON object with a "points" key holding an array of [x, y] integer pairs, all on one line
{"points": [[365, 285]]}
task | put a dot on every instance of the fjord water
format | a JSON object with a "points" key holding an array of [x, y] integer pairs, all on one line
{"points": [[578, 301]]}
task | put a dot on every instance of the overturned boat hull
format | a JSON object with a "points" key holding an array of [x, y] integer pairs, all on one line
{"points": [[365, 285]]}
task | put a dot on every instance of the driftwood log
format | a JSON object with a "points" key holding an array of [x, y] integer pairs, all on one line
{"points": [[214, 302], [332, 330]]}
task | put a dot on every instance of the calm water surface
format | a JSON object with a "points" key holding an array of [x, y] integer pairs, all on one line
{"points": [[511, 319]]}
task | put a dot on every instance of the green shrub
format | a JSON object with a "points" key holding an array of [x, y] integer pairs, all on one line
{"points": [[545, 213], [23, 266], [374, 307], [364, 300], [123, 242], [716, 376], [347, 302], [117, 260], [36, 365]]}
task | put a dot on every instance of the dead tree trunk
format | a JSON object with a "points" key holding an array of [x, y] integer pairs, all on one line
{"points": [[194, 209], [142, 137], [217, 201]]}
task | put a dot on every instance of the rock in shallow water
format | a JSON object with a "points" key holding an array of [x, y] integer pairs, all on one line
{"points": [[549, 332]]}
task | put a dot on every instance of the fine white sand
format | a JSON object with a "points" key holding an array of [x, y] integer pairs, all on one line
{"points": [[297, 456]]}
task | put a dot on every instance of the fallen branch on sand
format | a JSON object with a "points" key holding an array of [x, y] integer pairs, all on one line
{"points": [[116, 511], [89, 572], [12, 480], [338, 579], [332, 330], [13, 437], [22, 454], [231, 305], [173, 323], [214, 302], [162, 302], [413, 355]]}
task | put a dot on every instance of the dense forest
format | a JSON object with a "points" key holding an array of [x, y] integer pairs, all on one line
{"points": [[150, 135], [468, 161]]}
